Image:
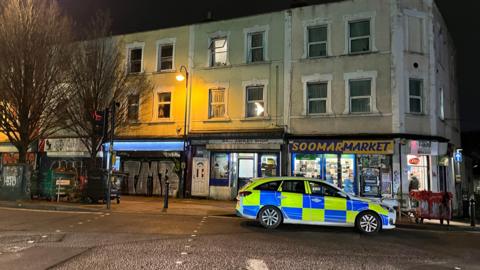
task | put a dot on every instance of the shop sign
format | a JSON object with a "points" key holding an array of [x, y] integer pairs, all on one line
{"points": [[343, 146], [414, 161], [458, 156], [244, 144], [63, 145], [424, 148]]}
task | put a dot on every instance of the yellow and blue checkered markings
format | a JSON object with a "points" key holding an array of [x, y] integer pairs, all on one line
{"points": [[306, 207]]}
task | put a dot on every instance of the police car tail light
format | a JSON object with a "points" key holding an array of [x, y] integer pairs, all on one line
{"points": [[244, 193]]}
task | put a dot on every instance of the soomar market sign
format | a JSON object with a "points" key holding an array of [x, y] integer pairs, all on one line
{"points": [[343, 146]]}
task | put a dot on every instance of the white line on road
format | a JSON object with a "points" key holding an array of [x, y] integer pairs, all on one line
{"points": [[253, 264]]}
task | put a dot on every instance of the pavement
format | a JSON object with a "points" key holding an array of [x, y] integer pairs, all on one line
{"points": [[199, 207]]}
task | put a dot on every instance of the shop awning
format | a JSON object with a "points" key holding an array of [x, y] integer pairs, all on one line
{"points": [[166, 146]]}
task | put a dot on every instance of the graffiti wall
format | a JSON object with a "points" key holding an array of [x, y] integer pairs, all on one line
{"points": [[149, 177]]}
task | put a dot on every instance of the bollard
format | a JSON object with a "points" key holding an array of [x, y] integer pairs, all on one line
{"points": [[472, 212], [165, 198]]}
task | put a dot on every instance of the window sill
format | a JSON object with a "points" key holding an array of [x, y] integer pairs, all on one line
{"points": [[247, 119], [318, 115], [217, 120], [162, 121], [317, 58], [416, 114], [217, 67], [258, 63], [363, 114], [360, 53], [165, 71], [135, 73]]}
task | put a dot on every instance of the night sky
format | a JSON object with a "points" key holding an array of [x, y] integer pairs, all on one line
{"points": [[139, 15]]}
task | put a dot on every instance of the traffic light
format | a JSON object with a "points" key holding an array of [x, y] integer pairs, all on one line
{"points": [[101, 122]]}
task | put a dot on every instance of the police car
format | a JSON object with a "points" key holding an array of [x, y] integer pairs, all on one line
{"points": [[276, 200]]}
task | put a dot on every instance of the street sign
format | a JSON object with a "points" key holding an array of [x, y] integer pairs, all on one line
{"points": [[458, 156]]}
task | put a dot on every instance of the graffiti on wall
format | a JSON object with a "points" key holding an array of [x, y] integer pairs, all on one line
{"points": [[149, 177]]}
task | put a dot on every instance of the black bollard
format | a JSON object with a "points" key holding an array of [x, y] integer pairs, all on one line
{"points": [[472, 212], [165, 198]]}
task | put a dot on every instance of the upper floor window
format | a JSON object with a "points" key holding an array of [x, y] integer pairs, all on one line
{"points": [[256, 47], [360, 95], [133, 107], [415, 34], [359, 36], [255, 102], [415, 90], [164, 104], [217, 103], [218, 51], [165, 57], [317, 41], [317, 97], [135, 58]]}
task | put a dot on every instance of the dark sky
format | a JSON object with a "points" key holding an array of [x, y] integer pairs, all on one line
{"points": [[138, 15]]}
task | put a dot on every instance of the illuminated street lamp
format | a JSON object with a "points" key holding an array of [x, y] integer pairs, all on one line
{"points": [[180, 77]]}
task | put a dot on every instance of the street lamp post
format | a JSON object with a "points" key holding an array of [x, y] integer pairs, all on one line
{"points": [[180, 77]]}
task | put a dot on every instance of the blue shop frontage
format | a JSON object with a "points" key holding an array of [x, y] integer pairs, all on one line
{"points": [[359, 167]]}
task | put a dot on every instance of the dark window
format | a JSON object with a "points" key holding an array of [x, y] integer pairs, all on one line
{"points": [[135, 64], [293, 186], [272, 186], [133, 106], [320, 189], [166, 57]]}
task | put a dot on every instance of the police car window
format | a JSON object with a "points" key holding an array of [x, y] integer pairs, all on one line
{"points": [[293, 186], [316, 188], [272, 186]]}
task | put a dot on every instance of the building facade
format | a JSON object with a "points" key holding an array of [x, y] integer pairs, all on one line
{"points": [[360, 93]]}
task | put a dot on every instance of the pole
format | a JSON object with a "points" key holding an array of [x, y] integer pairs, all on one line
{"points": [[184, 156], [472, 212], [110, 158]]}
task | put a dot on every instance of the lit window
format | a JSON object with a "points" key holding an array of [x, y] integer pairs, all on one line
{"points": [[359, 36], [218, 51], [317, 97], [256, 47], [165, 57], [133, 107], [255, 102], [217, 103], [415, 90], [360, 95], [317, 41], [135, 60], [164, 103]]}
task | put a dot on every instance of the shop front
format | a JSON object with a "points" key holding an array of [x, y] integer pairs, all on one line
{"points": [[147, 166], [359, 167], [221, 167]]}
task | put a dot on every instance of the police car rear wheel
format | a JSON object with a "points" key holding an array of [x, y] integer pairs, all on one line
{"points": [[368, 223], [270, 217]]}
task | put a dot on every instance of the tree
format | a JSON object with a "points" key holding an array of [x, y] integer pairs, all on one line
{"points": [[98, 78], [34, 51]]}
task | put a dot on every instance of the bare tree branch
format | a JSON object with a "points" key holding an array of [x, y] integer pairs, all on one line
{"points": [[34, 51]]}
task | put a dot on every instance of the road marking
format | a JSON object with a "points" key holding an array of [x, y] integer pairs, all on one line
{"points": [[194, 235], [183, 253], [190, 240], [178, 262], [30, 241], [45, 211], [57, 231], [253, 264], [195, 231], [187, 246], [80, 223], [44, 236]]}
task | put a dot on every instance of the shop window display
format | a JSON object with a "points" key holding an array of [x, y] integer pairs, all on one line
{"points": [[220, 169], [268, 165], [375, 176], [348, 168], [307, 165], [331, 169], [418, 172]]}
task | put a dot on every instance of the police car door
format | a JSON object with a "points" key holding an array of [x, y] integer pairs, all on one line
{"points": [[335, 205], [291, 199]]}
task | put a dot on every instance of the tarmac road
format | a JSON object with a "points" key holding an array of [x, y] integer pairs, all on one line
{"points": [[75, 240]]}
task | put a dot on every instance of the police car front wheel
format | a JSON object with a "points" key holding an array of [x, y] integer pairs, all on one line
{"points": [[270, 217], [368, 222]]}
